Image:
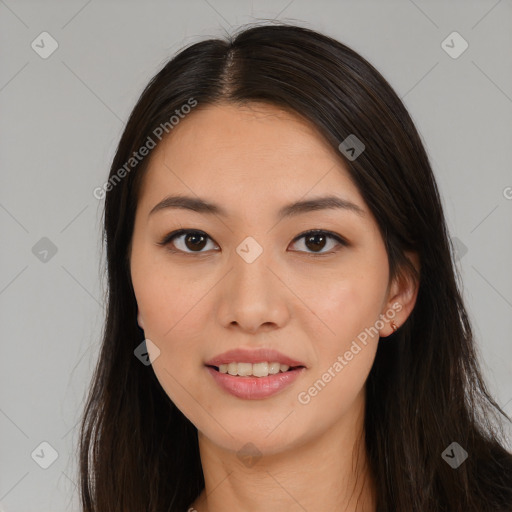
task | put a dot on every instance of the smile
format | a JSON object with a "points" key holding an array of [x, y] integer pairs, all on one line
{"points": [[262, 369], [251, 387]]}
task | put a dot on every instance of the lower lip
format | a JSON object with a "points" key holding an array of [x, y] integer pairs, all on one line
{"points": [[254, 388]]}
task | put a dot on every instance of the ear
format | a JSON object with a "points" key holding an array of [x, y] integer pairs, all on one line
{"points": [[139, 320], [401, 298]]}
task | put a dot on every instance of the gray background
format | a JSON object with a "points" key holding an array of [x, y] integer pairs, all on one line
{"points": [[62, 117]]}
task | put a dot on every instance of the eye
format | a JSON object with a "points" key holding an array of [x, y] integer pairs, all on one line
{"points": [[315, 239], [193, 241], [190, 239]]}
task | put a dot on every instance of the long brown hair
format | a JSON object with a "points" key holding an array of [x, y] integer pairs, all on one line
{"points": [[138, 452]]}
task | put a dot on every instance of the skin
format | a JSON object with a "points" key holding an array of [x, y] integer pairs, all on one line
{"points": [[252, 160]]}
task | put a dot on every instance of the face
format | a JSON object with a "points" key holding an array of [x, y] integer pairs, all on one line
{"points": [[246, 277]]}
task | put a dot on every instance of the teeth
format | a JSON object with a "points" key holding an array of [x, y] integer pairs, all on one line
{"points": [[257, 370], [244, 369]]}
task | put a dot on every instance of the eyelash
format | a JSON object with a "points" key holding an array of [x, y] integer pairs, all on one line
{"points": [[175, 234]]}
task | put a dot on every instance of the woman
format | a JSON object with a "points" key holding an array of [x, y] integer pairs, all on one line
{"points": [[284, 327]]}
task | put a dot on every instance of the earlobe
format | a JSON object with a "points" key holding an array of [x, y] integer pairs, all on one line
{"points": [[139, 320]]}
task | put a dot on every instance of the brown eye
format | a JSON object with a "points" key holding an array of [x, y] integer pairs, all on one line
{"points": [[317, 240], [192, 241], [186, 241]]}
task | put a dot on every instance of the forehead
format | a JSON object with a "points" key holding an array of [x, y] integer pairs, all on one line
{"points": [[255, 154]]}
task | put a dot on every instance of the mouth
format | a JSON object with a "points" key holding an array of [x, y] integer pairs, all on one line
{"points": [[254, 374], [251, 370], [249, 386], [258, 362]]}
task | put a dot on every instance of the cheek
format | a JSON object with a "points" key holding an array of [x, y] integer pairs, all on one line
{"points": [[348, 306], [345, 355], [167, 300], [350, 351], [173, 314], [345, 349]]}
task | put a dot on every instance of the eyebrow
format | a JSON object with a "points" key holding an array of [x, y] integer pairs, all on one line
{"points": [[299, 207]]}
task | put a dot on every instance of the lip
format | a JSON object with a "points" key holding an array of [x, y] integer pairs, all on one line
{"points": [[260, 355], [254, 388]]}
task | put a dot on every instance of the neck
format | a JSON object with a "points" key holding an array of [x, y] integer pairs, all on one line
{"points": [[326, 472]]}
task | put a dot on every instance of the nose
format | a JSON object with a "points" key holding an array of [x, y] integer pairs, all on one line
{"points": [[254, 295]]}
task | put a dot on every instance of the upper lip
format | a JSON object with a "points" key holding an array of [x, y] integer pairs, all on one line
{"points": [[241, 355]]}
